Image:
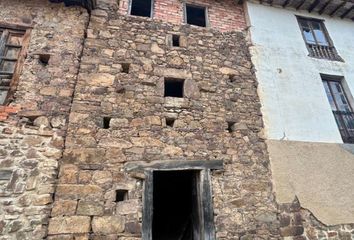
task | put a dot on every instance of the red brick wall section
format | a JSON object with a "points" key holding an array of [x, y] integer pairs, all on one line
{"points": [[224, 15], [5, 111]]}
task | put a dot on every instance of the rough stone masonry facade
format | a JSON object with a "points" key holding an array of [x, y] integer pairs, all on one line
{"points": [[219, 88], [33, 126]]}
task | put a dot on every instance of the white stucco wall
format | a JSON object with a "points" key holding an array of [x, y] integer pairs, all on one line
{"points": [[294, 103]]}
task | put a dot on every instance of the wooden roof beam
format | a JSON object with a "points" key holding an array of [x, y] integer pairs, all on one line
{"points": [[285, 4], [324, 7], [313, 5], [347, 12], [337, 8], [301, 4]]}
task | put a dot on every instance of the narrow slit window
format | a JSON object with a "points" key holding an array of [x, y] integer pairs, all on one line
{"points": [[196, 15], [174, 87], [141, 8], [175, 40], [121, 195], [106, 122], [11, 45]]}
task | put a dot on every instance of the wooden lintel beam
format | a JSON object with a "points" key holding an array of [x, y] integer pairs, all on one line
{"points": [[300, 5], [347, 12], [285, 4], [324, 7], [173, 165], [337, 8], [313, 5]]}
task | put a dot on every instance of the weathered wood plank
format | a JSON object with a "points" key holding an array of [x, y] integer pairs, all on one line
{"points": [[148, 206], [173, 165], [208, 211], [19, 64]]}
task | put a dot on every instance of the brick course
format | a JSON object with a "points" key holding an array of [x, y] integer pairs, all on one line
{"points": [[224, 15]]}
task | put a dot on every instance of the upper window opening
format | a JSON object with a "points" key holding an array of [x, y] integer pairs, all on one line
{"points": [[317, 39], [11, 42], [341, 108], [196, 15], [141, 8], [174, 87]]}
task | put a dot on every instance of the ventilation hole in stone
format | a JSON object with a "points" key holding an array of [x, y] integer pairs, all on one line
{"points": [[106, 122], [230, 127], [175, 40], [232, 78], [125, 67], [29, 120], [170, 122], [121, 195], [174, 87], [44, 58]]}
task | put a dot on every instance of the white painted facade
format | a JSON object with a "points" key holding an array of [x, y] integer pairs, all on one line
{"points": [[294, 102]]}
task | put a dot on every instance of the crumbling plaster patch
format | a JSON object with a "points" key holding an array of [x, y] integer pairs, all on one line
{"points": [[321, 175]]}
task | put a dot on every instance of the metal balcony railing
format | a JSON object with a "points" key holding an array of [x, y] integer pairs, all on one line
{"points": [[326, 52], [345, 122]]}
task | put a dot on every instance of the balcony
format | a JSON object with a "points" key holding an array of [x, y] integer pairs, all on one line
{"points": [[345, 122], [325, 52]]}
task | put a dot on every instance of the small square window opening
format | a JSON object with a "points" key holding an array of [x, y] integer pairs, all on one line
{"points": [[196, 15], [232, 78], [170, 122], [175, 40], [125, 67], [174, 87], [44, 58], [230, 127], [141, 8], [121, 195]]}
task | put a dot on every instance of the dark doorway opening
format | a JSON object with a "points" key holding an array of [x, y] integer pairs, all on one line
{"points": [[141, 8], [175, 205]]}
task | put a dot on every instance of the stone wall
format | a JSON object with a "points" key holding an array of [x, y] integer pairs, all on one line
{"points": [[219, 93], [33, 127], [224, 15], [297, 223]]}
